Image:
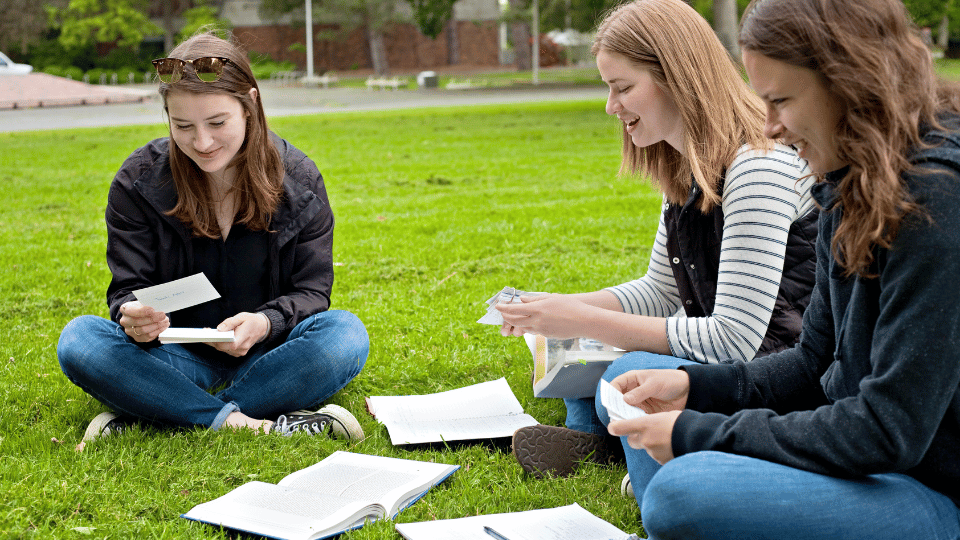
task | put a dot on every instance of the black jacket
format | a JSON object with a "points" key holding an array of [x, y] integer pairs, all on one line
{"points": [[146, 247], [695, 239], [872, 387]]}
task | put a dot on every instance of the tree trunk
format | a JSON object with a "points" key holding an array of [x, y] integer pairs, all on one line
{"points": [[453, 42], [943, 34], [168, 30], [520, 36], [378, 53], [725, 25]]}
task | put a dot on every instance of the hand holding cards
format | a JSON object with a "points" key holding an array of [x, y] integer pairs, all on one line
{"points": [[507, 295], [617, 408], [179, 294]]}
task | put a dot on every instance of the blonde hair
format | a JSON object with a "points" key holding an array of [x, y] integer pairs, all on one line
{"points": [[259, 181], [870, 57], [719, 111]]}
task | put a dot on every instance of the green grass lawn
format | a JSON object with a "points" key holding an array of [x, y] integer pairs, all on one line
{"points": [[436, 210]]}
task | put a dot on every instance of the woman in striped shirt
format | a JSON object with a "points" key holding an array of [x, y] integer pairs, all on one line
{"points": [[733, 260]]}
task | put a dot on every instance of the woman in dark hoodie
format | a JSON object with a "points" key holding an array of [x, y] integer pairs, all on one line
{"points": [[854, 432]]}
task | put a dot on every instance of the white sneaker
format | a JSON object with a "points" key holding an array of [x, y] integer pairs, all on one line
{"points": [[332, 420], [626, 489], [106, 423]]}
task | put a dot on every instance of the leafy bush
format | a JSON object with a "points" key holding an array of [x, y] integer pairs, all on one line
{"points": [[49, 52], [70, 72], [264, 67], [94, 75], [56, 71]]}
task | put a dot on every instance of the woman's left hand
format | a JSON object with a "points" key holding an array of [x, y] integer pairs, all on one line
{"points": [[248, 330], [653, 433]]}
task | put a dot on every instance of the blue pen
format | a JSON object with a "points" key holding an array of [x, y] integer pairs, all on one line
{"points": [[494, 533]]}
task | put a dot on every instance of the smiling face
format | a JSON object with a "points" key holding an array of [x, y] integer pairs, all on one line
{"points": [[208, 128], [801, 110], [649, 114]]}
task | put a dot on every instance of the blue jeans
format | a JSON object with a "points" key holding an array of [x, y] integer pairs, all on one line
{"points": [[180, 386], [719, 495]]}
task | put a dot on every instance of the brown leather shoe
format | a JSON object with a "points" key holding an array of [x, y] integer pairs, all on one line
{"points": [[559, 451]]}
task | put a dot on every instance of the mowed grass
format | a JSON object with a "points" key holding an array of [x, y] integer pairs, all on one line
{"points": [[436, 210]]}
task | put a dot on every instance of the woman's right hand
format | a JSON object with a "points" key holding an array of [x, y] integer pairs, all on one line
{"points": [[142, 323], [654, 390]]}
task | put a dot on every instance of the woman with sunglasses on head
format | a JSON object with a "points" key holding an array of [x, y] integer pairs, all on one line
{"points": [[855, 432], [733, 260], [225, 197]]}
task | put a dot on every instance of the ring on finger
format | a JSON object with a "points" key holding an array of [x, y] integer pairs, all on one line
{"points": [[136, 331]]}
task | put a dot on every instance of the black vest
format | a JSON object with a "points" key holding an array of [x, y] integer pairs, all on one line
{"points": [[693, 248]]}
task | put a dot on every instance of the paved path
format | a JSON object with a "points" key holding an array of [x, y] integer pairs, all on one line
{"points": [[139, 104]]}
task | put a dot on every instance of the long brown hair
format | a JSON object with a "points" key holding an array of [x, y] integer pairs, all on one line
{"points": [[259, 180], [719, 111], [871, 58]]}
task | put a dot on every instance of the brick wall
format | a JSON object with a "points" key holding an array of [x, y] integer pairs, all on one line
{"points": [[407, 49]]}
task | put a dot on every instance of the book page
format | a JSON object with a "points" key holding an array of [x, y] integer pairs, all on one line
{"points": [[562, 523], [281, 512], [480, 411], [391, 482]]}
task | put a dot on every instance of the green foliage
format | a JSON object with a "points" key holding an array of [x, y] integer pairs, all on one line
{"points": [[274, 9], [930, 12], [584, 15], [71, 72], [96, 75], [50, 52], [202, 17], [432, 15], [436, 210], [104, 21], [264, 67]]}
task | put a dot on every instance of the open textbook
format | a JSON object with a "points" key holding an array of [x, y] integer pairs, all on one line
{"points": [[562, 523], [335, 495], [481, 411], [568, 368], [562, 368]]}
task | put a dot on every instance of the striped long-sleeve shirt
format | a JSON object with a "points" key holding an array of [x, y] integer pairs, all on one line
{"points": [[763, 194]]}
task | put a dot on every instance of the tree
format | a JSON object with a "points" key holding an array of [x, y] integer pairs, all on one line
{"points": [[928, 12], [517, 18], [202, 15], [725, 17], [942, 15], [375, 16], [23, 22], [432, 15], [581, 15], [104, 21]]}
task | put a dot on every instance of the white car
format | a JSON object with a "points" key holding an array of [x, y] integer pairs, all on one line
{"points": [[9, 67]]}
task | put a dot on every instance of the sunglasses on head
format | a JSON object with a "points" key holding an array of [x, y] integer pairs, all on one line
{"points": [[208, 68]]}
